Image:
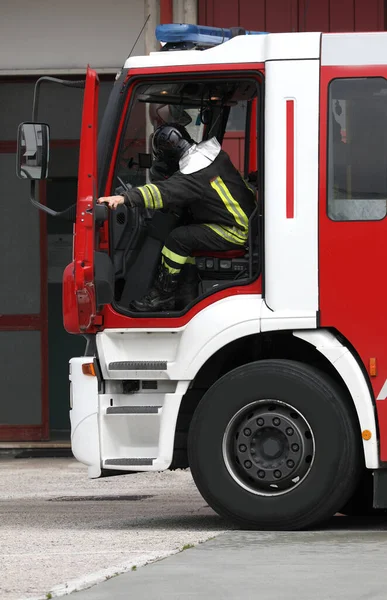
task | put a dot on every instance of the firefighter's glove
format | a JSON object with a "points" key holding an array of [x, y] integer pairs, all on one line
{"points": [[131, 198]]}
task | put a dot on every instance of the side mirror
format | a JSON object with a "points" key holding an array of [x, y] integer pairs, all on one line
{"points": [[32, 151]]}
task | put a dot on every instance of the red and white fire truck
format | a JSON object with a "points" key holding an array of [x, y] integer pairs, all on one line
{"points": [[271, 382]]}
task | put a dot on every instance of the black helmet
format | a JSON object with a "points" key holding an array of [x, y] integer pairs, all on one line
{"points": [[170, 142]]}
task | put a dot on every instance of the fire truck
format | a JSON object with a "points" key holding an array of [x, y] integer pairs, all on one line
{"points": [[269, 380]]}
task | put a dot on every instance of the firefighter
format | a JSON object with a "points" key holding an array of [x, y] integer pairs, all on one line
{"points": [[163, 114], [219, 201]]}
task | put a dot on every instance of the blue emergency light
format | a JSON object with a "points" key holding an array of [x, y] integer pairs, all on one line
{"points": [[197, 35]]}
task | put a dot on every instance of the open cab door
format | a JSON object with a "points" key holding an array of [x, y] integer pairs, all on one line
{"points": [[79, 290]]}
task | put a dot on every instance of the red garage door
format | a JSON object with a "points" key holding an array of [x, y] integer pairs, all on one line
{"points": [[294, 15]]}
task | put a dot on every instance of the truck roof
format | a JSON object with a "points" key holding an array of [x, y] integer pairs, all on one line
{"points": [[369, 48]]}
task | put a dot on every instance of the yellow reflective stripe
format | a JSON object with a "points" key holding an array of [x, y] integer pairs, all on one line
{"points": [[229, 234], [146, 187], [230, 203], [237, 233], [180, 260], [219, 231], [169, 269], [154, 190], [148, 198], [152, 196], [240, 216], [144, 197], [191, 260]]}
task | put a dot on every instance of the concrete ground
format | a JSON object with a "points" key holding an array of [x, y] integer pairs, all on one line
{"points": [[345, 562], [60, 531]]}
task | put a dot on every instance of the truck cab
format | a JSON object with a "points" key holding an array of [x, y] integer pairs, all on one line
{"points": [[268, 380]]}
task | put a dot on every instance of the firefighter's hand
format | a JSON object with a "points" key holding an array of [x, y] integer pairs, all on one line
{"points": [[112, 201]]}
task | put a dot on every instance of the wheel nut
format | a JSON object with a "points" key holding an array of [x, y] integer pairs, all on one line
{"points": [[247, 431], [260, 422], [290, 464], [261, 474], [295, 447], [289, 431], [277, 474], [248, 464], [242, 448], [276, 421]]}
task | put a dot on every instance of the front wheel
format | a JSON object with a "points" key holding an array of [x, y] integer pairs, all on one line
{"points": [[275, 444]]}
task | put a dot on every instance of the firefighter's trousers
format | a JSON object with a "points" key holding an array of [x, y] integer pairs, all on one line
{"points": [[183, 241]]}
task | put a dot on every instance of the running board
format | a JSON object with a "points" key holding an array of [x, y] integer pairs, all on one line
{"points": [[132, 410], [130, 462]]}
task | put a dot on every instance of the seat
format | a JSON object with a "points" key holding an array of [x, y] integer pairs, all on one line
{"points": [[225, 254]]}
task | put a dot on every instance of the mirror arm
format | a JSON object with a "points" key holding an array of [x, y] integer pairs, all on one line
{"points": [[69, 214], [35, 103], [38, 205]]}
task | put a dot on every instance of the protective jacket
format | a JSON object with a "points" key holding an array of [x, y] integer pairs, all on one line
{"points": [[216, 195]]}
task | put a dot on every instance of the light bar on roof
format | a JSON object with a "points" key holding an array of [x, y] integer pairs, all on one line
{"points": [[177, 33]]}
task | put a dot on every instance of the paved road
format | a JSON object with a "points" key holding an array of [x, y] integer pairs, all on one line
{"points": [[345, 562], [60, 531]]}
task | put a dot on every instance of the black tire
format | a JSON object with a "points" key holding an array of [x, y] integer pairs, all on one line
{"points": [[327, 476]]}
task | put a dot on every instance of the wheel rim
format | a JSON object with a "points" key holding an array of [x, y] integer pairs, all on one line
{"points": [[268, 447]]}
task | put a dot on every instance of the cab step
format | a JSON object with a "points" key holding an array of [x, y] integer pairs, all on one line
{"points": [[130, 462], [132, 410]]}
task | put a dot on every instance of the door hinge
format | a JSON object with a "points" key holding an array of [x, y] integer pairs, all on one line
{"points": [[97, 320]]}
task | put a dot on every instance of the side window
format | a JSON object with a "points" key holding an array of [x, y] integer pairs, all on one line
{"points": [[149, 109], [133, 142], [357, 149]]}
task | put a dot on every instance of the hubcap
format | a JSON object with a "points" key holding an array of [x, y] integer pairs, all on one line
{"points": [[268, 447]]}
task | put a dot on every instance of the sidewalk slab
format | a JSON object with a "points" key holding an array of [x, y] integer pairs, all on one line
{"points": [[323, 565]]}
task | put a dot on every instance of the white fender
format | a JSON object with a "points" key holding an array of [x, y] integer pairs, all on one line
{"points": [[350, 372], [84, 416]]}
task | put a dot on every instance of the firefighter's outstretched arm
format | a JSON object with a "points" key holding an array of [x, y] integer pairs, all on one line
{"points": [[153, 197], [169, 143]]}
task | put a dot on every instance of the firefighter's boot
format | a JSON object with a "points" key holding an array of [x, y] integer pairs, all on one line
{"points": [[188, 288], [161, 296]]}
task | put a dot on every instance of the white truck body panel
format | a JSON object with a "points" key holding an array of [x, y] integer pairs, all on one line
{"points": [[291, 244]]}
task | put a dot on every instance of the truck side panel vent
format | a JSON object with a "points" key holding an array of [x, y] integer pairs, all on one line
{"points": [[132, 410], [138, 366]]}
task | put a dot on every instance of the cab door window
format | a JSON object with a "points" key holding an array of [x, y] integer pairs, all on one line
{"points": [[357, 149]]}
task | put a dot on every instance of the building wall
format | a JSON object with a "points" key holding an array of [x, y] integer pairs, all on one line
{"points": [[46, 36], [57, 34]]}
